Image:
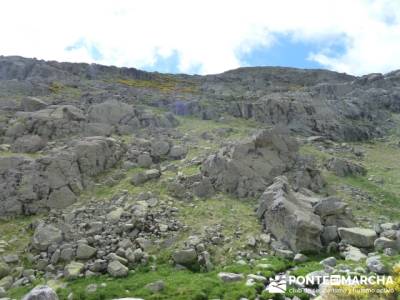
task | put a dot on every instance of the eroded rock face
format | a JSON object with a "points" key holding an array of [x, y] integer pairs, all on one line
{"points": [[246, 169], [125, 118], [54, 181], [53, 122]]}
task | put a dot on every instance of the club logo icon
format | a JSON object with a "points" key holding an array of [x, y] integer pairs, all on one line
{"points": [[277, 285]]}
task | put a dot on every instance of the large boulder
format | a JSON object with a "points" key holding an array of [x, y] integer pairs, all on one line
{"points": [[61, 198], [160, 148], [358, 237], [178, 152], [28, 144], [383, 243], [246, 169], [116, 269], [334, 213], [185, 257], [290, 218], [342, 167], [46, 235], [32, 104], [110, 112]]}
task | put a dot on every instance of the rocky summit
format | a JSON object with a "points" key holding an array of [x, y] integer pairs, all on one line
{"points": [[118, 183]]}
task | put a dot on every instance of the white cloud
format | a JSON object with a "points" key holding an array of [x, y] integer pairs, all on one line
{"points": [[206, 34]]}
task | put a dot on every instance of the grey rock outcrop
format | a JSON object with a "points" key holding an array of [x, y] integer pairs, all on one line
{"points": [[246, 169], [125, 118], [298, 221], [54, 181], [289, 218], [53, 122], [310, 102]]}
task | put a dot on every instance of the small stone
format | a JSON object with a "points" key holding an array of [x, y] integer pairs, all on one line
{"points": [[152, 174], [91, 288], [257, 278], [354, 254], [251, 241], [116, 269], [299, 258], [156, 287], [230, 277], [374, 264], [11, 258], [185, 257], [163, 227], [73, 270], [389, 252], [85, 251], [6, 282], [67, 254], [4, 269], [138, 178], [41, 292], [283, 253], [330, 261], [383, 243], [115, 215], [144, 160], [2, 292]]}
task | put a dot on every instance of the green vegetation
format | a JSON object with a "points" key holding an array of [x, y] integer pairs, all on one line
{"points": [[68, 91], [184, 284], [166, 84], [179, 284], [27, 155], [381, 185], [17, 232], [234, 215]]}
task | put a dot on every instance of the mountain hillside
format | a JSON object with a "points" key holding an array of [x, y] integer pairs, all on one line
{"points": [[120, 183]]}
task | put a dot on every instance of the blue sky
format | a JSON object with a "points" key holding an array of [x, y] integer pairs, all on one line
{"points": [[286, 51], [205, 37]]}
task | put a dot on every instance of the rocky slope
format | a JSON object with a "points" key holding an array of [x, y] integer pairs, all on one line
{"points": [[152, 179]]}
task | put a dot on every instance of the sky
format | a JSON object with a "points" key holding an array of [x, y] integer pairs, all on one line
{"points": [[207, 36]]}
